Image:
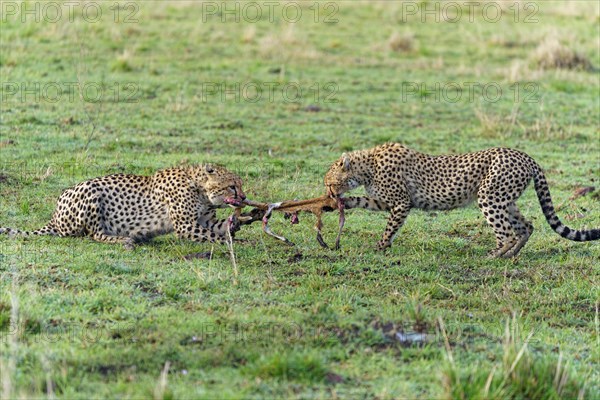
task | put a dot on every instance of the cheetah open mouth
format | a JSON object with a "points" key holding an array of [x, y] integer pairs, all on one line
{"points": [[233, 201]]}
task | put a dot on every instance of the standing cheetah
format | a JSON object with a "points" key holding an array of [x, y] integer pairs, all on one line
{"points": [[130, 208], [397, 179]]}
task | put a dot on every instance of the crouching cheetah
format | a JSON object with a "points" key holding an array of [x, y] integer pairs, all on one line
{"points": [[397, 179], [128, 209]]}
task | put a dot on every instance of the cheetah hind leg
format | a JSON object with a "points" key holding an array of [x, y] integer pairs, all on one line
{"points": [[499, 220], [503, 248], [522, 228], [96, 230]]}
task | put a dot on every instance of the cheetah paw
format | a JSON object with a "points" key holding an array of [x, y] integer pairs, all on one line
{"points": [[129, 244], [233, 224], [382, 245]]}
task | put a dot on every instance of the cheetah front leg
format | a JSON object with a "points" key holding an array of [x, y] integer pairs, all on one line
{"points": [[208, 220], [196, 232], [187, 226], [395, 222], [366, 203]]}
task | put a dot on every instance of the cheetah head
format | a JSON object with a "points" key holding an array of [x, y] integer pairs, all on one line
{"points": [[223, 187], [340, 177]]}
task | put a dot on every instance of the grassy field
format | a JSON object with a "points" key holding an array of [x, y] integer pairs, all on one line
{"points": [[148, 85]]}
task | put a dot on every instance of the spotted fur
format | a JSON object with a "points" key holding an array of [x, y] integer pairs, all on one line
{"points": [[398, 179], [128, 209]]}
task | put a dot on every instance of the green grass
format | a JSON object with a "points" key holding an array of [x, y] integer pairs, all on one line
{"points": [[79, 319], [520, 375]]}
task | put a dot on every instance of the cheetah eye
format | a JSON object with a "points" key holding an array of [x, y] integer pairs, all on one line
{"points": [[232, 187]]}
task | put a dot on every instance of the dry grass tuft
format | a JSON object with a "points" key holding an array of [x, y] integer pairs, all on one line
{"points": [[161, 390], [249, 34], [287, 44], [521, 374], [516, 71], [123, 62], [552, 54], [401, 43], [492, 125]]}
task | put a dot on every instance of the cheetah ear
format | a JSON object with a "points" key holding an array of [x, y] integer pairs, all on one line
{"points": [[209, 169], [345, 162]]}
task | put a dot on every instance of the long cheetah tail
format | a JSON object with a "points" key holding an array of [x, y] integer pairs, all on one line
{"points": [[543, 194], [46, 230]]}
